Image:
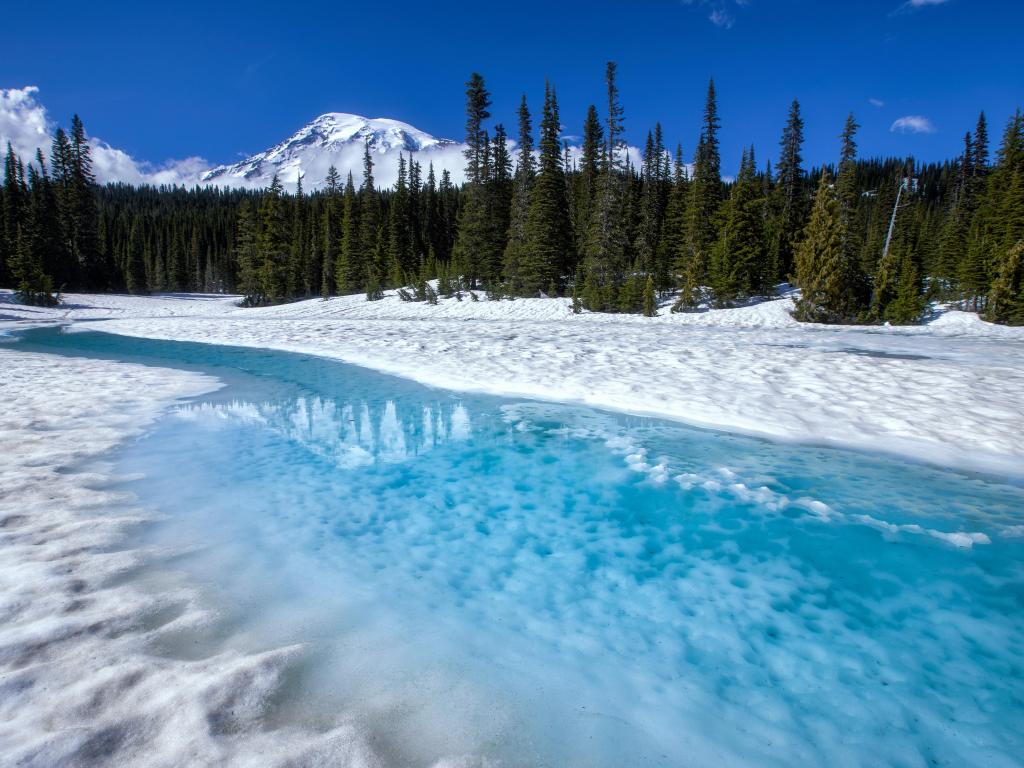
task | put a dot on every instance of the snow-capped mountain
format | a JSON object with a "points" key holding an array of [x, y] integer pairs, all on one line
{"points": [[338, 139]]}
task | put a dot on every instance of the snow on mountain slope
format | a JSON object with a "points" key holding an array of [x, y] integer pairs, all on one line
{"points": [[338, 139]]}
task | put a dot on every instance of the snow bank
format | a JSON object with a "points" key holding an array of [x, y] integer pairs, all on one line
{"points": [[949, 392], [77, 683]]}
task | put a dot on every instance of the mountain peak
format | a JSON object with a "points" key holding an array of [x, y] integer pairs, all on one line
{"points": [[333, 138]]}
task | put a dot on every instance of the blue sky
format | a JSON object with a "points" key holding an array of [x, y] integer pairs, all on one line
{"points": [[222, 80]]}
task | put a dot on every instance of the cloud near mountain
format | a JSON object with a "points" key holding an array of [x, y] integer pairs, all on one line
{"points": [[335, 138]]}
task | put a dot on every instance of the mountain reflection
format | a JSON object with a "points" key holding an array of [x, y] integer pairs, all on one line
{"points": [[348, 435]]}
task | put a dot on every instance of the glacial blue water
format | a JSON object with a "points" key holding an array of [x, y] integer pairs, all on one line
{"points": [[542, 584]]}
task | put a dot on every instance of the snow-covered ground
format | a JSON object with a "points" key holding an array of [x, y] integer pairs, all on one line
{"points": [[77, 676], [950, 391], [78, 682]]}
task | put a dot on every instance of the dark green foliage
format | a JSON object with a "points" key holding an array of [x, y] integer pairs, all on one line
{"points": [[672, 245], [607, 240], [591, 225], [474, 238], [822, 271], [1006, 302], [522, 185], [273, 245], [548, 233], [700, 228], [740, 256], [401, 259]]}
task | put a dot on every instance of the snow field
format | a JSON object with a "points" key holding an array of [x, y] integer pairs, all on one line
{"points": [[78, 683], [949, 392]]}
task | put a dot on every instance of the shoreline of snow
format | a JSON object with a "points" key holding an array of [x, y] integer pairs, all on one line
{"points": [[950, 392], [79, 679]]}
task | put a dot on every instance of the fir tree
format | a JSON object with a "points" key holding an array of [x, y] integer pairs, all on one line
{"points": [[980, 141], [607, 238], [400, 245], [1006, 302], [650, 302], [472, 240], [672, 244], [47, 243], [135, 269], [702, 207], [14, 204], [739, 259], [586, 187], [299, 273], [331, 225], [822, 274], [548, 233], [82, 214], [520, 207], [274, 244], [791, 193], [499, 204], [350, 275], [177, 262], [33, 285], [363, 262], [654, 179], [848, 193]]}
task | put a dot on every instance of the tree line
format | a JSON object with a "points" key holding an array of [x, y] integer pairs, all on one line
{"points": [[539, 218]]}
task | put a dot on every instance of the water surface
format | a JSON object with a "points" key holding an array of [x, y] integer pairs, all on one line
{"points": [[541, 584]]}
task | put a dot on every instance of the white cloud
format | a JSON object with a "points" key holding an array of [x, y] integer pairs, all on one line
{"points": [[876, 103], [25, 124], [913, 124], [721, 14], [913, 5]]}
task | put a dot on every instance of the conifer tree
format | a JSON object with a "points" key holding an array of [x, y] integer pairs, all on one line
{"points": [[363, 262], [548, 233], [13, 210], [739, 258], [520, 206], [605, 263], [300, 272], [980, 141], [702, 207], [331, 226], [47, 243], [400, 245], [848, 192], [672, 244], [472, 238], [499, 205], [349, 275], [82, 213], [274, 243], [822, 274], [999, 221], [1006, 302], [33, 285], [791, 193], [654, 179], [135, 269], [177, 262], [587, 178], [650, 302]]}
